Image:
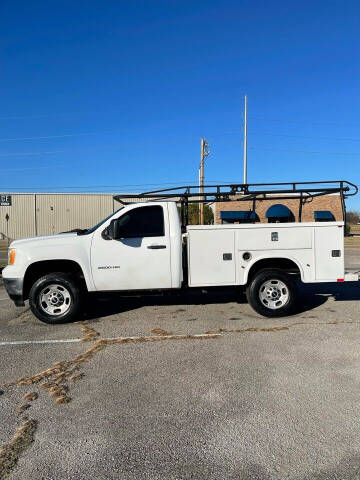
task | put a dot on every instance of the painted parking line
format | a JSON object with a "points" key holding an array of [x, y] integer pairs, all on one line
{"points": [[39, 342], [78, 340], [3, 299]]}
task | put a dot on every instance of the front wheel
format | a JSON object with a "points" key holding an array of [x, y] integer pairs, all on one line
{"points": [[55, 298], [272, 293]]}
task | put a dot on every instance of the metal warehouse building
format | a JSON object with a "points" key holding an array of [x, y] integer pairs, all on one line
{"points": [[30, 214]]}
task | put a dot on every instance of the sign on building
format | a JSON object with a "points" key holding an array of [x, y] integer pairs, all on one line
{"points": [[5, 200]]}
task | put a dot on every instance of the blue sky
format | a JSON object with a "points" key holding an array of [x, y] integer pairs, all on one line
{"points": [[125, 90]]}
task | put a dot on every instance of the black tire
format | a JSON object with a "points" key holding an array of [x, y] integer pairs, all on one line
{"points": [[285, 305], [64, 283]]}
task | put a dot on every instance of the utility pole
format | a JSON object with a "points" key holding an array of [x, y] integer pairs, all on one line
{"points": [[245, 139], [204, 153]]}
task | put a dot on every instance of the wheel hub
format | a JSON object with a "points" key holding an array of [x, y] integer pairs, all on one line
{"points": [[55, 299], [274, 294]]}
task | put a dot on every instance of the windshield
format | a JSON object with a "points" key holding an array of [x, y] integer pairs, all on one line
{"points": [[92, 229]]}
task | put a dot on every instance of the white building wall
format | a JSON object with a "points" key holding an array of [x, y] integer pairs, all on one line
{"points": [[21, 217], [48, 213], [60, 213]]}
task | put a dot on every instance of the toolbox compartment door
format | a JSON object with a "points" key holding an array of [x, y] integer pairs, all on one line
{"points": [[211, 257], [329, 253], [277, 237]]}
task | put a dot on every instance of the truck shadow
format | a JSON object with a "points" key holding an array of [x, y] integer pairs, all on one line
{"points": [[311, 296], [338, 291], [103, 305]]}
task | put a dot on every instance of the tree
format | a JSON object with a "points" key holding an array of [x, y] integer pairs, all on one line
{"points": [[352, 217], [194, 214]]}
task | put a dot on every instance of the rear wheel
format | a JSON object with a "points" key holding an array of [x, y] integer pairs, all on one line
{"points": [[55, 298], [272, 293]]}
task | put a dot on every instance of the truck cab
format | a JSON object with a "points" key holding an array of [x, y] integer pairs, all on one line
{"points": [[139, 247]]}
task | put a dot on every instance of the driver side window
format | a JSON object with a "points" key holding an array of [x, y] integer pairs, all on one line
{"points": [[143, 222]]}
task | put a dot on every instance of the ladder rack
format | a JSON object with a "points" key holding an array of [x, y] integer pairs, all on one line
{"points": [[303, 191]]}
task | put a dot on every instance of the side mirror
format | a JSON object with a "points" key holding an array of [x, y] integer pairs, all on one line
{"points": [[113, 231]]}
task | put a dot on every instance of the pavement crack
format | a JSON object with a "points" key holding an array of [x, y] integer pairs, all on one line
{"points": [[55, 380], [11, 452], [275, 329], [159, 331]]}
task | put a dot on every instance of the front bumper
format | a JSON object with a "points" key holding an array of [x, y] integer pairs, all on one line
{"points": [[14, 288]]}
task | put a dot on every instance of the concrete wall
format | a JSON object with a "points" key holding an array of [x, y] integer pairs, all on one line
{"points": [[326, 202]]}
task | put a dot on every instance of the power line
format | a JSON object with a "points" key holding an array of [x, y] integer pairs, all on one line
{"points": [[91, 147], [109, 132], [24, 154], [67, 150], [47, 137], [172, 139], [187, 182], [255, 117], [112, 186], [303, 121], [304, 151], [99, 147], [41, 115], [22, 169], [308, 137]]}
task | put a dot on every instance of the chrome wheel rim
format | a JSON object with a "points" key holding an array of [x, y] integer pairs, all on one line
{"points": [[55, 299], [274, 294]]}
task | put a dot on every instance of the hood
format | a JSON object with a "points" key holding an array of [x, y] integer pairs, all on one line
{"points": [[23, 241]]}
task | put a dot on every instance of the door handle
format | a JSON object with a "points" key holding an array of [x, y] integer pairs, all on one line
{"points": [[156, 247]]}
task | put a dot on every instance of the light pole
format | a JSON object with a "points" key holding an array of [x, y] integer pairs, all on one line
{"points": [[245, 139]]}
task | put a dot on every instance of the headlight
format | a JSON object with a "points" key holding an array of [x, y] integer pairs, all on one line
{"points": [[12, 255]]}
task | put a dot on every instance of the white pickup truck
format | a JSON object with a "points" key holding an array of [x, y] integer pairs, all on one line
{"points": [[143, 247]]}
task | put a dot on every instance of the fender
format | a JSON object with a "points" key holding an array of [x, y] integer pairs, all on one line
{"points": [[270, 258]]}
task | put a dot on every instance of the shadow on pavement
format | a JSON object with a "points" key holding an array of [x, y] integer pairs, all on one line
{"points": [[311, 297], [103, 305], [339, 291]]}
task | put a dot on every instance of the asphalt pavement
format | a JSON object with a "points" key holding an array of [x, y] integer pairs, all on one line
{"points": [[352, 258], [266, 399]]}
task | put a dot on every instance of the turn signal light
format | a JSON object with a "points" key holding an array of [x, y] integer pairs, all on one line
{"points": [[12, 255]]}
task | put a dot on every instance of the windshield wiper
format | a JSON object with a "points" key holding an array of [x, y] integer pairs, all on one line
{"points": [[79, 231]]}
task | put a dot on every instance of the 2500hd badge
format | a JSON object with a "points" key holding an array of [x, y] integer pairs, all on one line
{"points": [[108, 267]]}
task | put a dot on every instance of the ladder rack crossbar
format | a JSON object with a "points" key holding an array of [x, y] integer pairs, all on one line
{"points": [[217, 192], [305, 192]]}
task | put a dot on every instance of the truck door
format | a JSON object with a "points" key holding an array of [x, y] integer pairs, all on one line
{"points": [[140, 260]]}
